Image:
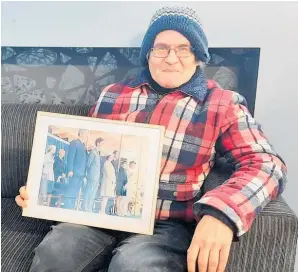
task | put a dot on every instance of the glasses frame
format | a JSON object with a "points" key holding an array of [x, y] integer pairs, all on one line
{"points": [[170, 49]]}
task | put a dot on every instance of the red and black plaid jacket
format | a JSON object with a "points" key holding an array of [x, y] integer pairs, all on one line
{"points": [[201, 119]]}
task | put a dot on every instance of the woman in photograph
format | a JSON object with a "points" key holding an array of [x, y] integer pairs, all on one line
{"points": [[48, 163], [122, 179], [108, 185], [47, 172]]}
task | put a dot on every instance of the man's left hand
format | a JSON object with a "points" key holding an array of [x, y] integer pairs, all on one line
{"points": [[210, 246]]}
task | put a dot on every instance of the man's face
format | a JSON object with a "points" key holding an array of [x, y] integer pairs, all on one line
{"points": [[132, 165], [171, 71], [116, 155], [99, 146]]}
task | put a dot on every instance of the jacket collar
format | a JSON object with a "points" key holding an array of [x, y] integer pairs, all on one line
{"points": [[196, 87]]}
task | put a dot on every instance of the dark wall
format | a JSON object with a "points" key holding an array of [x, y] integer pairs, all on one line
{"points": [[71, 75]]}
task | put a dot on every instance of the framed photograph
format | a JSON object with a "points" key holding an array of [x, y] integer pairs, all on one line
{"points": [[95, 172]]}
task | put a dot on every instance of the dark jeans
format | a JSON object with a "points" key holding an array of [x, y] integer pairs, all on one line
{"points": [[76, 248]]}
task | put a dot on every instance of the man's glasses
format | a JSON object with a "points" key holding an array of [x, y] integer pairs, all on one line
{"points": [[182, 51]]}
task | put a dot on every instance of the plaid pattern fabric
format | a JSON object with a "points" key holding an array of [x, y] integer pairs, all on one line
{"points": [[196, 129]]}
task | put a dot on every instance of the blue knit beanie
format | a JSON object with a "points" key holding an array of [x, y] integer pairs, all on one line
{"points": [[182, 19]]}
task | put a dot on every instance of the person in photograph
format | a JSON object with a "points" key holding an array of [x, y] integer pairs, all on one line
{"points": [[76, 169], [116, 161], [48, 176], [93, 175], [122, 178], [60, 166], [48, 163], [194, 226], [108, 184], [60, 184], [131, 186]]}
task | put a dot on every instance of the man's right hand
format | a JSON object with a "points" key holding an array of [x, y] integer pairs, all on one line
{"points": [[70, 174], [22, 198]]}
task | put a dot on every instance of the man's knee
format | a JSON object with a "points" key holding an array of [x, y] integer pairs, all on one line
{"points": [[143, 257], [69, 246], [56, 249], [127, 262]]}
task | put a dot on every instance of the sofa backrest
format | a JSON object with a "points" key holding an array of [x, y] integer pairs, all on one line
{"points": [[17, 131]]}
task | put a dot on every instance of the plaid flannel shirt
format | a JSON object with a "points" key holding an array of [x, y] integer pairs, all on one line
{"points": [[200, 121]]}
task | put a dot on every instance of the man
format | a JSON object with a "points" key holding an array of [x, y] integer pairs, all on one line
{"points": [[60, 166], [76, 168], [93, 175], [201, 120]]}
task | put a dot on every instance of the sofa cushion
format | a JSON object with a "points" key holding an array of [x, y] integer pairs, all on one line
{"points": [[17, 128], [20, 235]]}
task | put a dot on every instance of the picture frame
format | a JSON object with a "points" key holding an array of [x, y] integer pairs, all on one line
{"points": [[94, 172]]}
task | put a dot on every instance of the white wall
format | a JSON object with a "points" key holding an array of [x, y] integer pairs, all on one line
{"points": [[273, 26]]}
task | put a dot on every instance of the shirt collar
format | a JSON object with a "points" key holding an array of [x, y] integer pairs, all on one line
{"points": [[195, 87]]}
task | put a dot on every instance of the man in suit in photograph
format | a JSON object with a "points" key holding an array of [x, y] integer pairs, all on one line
{"points": [[76, 168], [93, 175]]}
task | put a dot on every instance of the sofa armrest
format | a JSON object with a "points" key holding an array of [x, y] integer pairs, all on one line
{"points": [[270, 244]]}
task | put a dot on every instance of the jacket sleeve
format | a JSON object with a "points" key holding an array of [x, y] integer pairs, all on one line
{"points": [[71, 155], [259, 173]]}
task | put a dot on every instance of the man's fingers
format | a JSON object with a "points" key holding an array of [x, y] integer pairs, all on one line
{"points": [[223, 259], [192, 256], [21, 202], [23, 192], [213, 259], [203, 259]]}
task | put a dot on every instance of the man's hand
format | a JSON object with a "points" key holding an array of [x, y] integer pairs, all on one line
{"points": [[22, 198], [210, 246]]}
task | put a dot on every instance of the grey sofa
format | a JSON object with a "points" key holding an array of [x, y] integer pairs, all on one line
{"points": [[270, 245]]}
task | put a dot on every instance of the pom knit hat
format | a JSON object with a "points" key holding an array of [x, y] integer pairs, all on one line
{"points": [[182, 19]]}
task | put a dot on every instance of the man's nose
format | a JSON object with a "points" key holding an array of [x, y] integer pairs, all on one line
{"points": [[172, 57]]}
